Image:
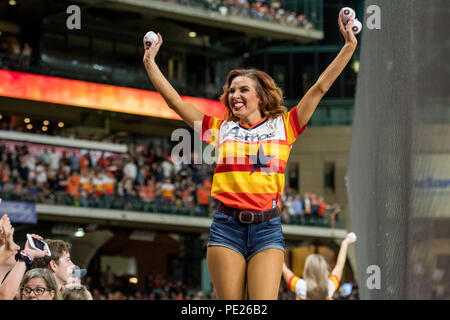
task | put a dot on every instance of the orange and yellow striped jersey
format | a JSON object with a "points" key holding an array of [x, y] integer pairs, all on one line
{"points": [[251, 160], [298, 286]]}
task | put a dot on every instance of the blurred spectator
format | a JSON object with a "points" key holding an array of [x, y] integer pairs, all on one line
{"points": [[109, 182], [78, 292], [297, 205], [203, 196], [307, 206], [54, 159], [262, 10], [59, 262], [321, 208], [74, 163], [336, 209], [130, 169], [14, 46], [39, 284], [73, 188], [85, 187], [168, 190], [107, 280], [98, 185]]}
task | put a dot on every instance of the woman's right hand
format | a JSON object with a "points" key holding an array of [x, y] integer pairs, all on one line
{"points": [[150, 52], [350, 238], [35, 253], [6, 236]]}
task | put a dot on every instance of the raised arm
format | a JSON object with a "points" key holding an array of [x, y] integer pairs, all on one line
{"points": [[287, 273], [311, 99], [186, 111], [342, 256], [7, 247], [10, 287]]}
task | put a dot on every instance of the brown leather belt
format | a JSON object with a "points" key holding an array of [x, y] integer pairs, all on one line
{"points": [[249, 216]]}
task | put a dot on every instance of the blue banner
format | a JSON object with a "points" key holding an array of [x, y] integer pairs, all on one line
{"points": [[19, 212]]}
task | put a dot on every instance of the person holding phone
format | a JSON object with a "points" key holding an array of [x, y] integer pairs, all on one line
{"points": [[58, 262], [24, 261], [246, 245], [317, 282]]}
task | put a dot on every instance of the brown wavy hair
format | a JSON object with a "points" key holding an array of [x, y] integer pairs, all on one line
{"points": [[268, 92]]}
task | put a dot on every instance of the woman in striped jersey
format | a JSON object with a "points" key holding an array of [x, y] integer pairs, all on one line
{"points": [[246, 245], [317, 282]]}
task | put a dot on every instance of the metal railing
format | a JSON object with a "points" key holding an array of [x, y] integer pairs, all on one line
{"points": [[115, 202]]}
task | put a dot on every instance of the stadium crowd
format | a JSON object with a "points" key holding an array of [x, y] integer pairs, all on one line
{"points": [[145, 179], [255, 9]]}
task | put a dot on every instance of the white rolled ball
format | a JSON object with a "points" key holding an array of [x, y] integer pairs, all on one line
{"points": [[149, 38], [347, 13], [357, 26], [352, 236]]}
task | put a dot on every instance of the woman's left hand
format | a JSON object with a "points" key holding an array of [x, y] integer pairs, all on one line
{"points": [[346, 31]]}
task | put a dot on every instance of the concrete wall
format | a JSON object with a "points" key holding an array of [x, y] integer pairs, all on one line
{"points": [[315, 147]]}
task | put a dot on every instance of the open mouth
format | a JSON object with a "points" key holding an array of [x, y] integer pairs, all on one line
{"points": [[238, 106]]}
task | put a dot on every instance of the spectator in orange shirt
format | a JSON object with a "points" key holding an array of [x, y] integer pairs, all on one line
{"points": [[203, 194], [73, 187], [322, 207], [103, 161], [147, 191], [125, 189], [83, 162]]}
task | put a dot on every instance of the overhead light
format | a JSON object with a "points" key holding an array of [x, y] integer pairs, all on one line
{"points": [[26, 120], [79, 233], [46, 122], [175, 236], [64, 228], [12, 2], [355, 66], [29, 126], [60, 124], [133, 280], [44, 128], [192, 34]]}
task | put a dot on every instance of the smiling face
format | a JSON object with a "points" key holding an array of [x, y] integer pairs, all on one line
{"points": [[243, 99]]}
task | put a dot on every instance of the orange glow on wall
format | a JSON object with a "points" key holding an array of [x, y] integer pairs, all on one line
{"points": [[95, 95]]}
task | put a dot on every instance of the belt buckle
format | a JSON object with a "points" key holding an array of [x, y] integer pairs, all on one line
{"points": [[245, 221]]}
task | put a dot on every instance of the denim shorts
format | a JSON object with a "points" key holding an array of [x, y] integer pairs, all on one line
{"points": [[246, 239]]}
